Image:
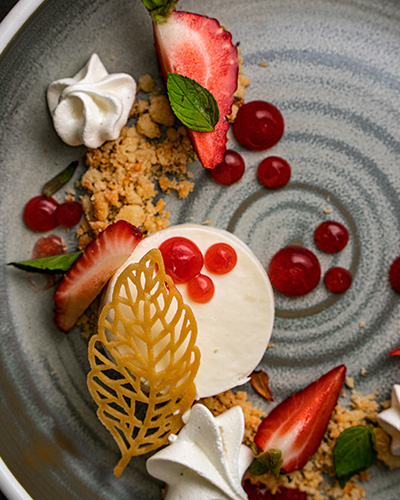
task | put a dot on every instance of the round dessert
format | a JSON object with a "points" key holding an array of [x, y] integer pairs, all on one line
{"points": [[235, 325]]}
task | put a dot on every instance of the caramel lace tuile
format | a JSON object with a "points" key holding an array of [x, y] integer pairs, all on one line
{"points": [[145, 382]]}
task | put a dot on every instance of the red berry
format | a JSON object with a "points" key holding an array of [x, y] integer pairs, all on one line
{"points": [[294, 271], [40, 213], [69, 213], [183, 259], [230, 170], [220, 258], [338, 279], [331, 236], [258, 125], [274, 172], [201, 288], [394, 274]]}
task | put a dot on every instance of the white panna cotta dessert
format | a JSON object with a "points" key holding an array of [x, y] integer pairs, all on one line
{"points": [[235, 325]]}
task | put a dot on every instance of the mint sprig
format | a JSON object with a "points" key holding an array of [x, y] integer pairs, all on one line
{"points": [[354, 452], [57, 182], [194, 105], [55, 264]]}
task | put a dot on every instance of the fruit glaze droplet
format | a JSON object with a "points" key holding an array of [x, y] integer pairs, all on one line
{"points": [[294, 271], [69, 213], [274, 172], [394, 274], [183, 259], [331, 236], [220, 258], [338, 279], [201, 288], [40, 213], [230, 170], [258, 125]]}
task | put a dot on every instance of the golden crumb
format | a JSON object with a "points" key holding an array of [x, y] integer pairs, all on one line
{"points": [[145, 83], [124, 176], [327, 210], [263, 64]]}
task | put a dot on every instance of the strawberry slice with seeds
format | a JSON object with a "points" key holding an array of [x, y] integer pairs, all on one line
{"points": [[293, 431], [199, 48], [91, 271]]}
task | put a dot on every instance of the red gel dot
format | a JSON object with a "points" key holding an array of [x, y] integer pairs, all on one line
{"points": [[183, 259], [258, 125], [331, 236], [201, 288], [220, 258], [274, 172], [69, 213], [40, 213], [394, 274], [47, 246], [294, 271], [230, 170], [338, 279]]}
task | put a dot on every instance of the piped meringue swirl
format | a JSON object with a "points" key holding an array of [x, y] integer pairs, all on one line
{"points": [[92, 106]]}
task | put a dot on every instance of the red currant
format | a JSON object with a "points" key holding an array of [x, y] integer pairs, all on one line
{"points": [[183, 259], [258, 125], [69, 213], [40, 213], [201, 288], [220, 258], [294, 271], [258, 491], [394, 274], [338, 279], [331, 236], [230, 170], [274, 172]]}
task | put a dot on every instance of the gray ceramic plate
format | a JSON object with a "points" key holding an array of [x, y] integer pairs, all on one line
{"points": [[334, 72]]}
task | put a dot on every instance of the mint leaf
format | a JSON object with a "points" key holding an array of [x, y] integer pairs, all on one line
{"points": [[354, 452], [51, 265], [60, 179], [194, 105], [267, 461]]}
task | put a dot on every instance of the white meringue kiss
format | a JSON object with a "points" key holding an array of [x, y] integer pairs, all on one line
{"points": [[206, 460], [389, 420], [92, 106]]}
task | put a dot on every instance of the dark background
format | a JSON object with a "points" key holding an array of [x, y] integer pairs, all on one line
{"points": [[5, 6]]}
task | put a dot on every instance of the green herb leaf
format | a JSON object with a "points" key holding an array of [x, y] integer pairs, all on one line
{"points": [[60, 179], [51, 265], [354, 452], [194, 105], [267, 461]]}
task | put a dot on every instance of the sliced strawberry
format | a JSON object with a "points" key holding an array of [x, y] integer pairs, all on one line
{"points": [[395, 352], [199, 48], [91, 271], [292, 432]]}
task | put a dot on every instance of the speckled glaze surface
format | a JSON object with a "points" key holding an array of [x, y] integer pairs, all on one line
{"points": [[333, 69]]}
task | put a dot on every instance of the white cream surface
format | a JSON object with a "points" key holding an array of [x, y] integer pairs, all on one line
{"points": [[92, 106], [206, 460], [234, 328], [389, 420]]}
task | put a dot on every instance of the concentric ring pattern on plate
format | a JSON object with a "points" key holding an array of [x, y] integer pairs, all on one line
{"points": [[332, 68]]}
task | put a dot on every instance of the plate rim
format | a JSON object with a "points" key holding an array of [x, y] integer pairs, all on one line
{"points": [[15, 19]]}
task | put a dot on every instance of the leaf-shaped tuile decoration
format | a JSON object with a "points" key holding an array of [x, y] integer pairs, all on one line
{"points": [[143, 359]]}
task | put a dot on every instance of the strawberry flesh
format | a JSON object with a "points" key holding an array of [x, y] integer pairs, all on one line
{"points": [[199, 48], [91, 271], [395, 352], [294, 429]]}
